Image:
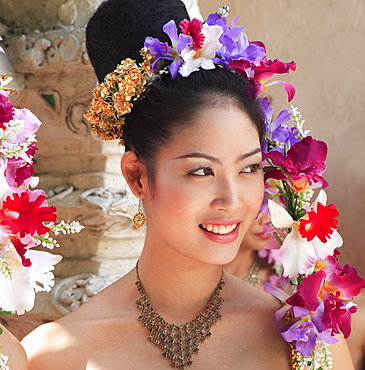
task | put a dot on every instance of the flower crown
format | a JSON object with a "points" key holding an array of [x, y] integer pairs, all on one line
{"points": [[199, 45]]}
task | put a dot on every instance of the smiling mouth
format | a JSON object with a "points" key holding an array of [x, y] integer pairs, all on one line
{"points": [[218, 229]]}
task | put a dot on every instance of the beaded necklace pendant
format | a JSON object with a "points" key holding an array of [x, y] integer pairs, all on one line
{"points": [[179, 343]]}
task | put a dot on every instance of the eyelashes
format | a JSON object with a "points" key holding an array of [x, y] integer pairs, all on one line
{"points": [[203, 171], [253, 168]]}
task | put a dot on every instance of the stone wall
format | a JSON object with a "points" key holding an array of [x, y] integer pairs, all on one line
{"points": [[45, 46]]}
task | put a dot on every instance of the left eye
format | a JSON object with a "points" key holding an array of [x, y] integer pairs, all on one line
{"points": [[252, 168], [204, 171]]}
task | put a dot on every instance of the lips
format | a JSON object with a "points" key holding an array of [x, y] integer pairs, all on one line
{"points": [[221, 232], [219, 229], [264, 236]]}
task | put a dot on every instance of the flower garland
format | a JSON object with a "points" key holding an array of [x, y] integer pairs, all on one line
{"points": [[25, 217], [315, 289]]}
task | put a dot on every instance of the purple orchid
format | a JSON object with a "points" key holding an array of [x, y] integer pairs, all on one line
{"points": [[235, 44], [163, 51], [276, 130], [308, 311]]}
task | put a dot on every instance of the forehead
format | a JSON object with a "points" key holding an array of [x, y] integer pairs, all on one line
{"points": [[218, 131]]}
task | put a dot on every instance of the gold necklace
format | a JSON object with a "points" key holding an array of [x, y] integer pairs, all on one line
{"points": [[253, 274], [179, 343]]}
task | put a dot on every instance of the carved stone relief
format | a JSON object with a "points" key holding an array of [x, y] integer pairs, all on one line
{"points": [[70, 293], [50, 48]]}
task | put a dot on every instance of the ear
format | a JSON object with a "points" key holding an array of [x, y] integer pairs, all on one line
{"points": [[135, 174]]}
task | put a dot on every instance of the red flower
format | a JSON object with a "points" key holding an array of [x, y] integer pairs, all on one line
{"points": [[21, 249], [336, 316], [194, 29], [6, 110], [320, 223], [26, 216]]}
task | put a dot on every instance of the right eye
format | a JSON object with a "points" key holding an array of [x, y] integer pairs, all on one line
{"points": [[202, 171]]}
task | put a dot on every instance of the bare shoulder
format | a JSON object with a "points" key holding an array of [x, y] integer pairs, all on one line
{"points": [[356, 341], [17, 358], [340, 355], [252, 313], [74, 338], [49, 346]]}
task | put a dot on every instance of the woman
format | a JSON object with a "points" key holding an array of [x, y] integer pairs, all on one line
{"points": [[193, 155]]}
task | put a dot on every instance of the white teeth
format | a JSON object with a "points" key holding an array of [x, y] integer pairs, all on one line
{"points": [[219, 229]]}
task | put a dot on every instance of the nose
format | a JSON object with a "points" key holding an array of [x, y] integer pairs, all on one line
{"points": [[228, 196]]}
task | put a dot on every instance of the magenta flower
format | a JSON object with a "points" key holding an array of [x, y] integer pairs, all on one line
{"points": [[343, 282], [268, 68], [337, 316], [193, 28], [303, 165], [6, 109]]}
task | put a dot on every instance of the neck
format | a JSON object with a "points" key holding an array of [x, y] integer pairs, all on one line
{"points": [[241, 264], [177, 287]]}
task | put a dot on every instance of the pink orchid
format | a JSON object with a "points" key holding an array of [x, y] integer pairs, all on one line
{"points": [[337, 316], [268, 68], [303, 165]]}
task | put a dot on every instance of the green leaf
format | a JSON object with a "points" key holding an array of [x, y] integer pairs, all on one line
{"points": [[6, 313]]}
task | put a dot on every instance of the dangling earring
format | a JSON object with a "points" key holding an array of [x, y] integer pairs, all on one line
{"points": [[139, 219]]}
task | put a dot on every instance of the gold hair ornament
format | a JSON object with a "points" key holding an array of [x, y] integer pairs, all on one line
{"points": [[114, 97]]}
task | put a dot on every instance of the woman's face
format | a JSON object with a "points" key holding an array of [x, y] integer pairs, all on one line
{"points": [[208, 187], [255, 238]]}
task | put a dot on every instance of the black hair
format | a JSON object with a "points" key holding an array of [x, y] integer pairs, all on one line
{"points": [[116, 31]]}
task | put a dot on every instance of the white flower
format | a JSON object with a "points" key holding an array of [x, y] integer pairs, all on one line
{"points": [[202, 58], [3, 361], [297, 254], [18, 291], [5, 189]]}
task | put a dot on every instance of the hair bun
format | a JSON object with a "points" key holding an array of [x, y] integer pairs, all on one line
{"points": [[118, 28]]}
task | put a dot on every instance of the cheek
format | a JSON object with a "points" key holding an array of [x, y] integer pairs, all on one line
{"points": [[254, 193], [172, 197]]}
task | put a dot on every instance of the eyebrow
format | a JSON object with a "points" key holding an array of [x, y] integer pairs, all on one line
{"points": [[216, 160]]}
